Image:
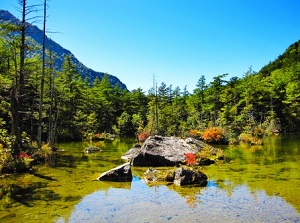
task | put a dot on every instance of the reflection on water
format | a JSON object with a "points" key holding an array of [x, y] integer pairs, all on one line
{"points": [[160, 204], [253, 184]]}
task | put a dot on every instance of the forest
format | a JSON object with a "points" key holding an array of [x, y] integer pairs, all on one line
{"points": [[41, 105]]}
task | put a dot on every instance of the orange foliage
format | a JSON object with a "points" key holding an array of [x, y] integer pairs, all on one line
{"points": [[97, 136], [143, 136], [98, 144], [213, 134]]}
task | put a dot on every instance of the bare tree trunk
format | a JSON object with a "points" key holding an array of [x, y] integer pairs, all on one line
{"points": [[42, 82], [17, 93], [16, 146], [156, 112], [51, 126]]}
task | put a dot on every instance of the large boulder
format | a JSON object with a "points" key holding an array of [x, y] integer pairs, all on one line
{"points": [[133, 152], [164, 151], [189, 177], [121, 173]]}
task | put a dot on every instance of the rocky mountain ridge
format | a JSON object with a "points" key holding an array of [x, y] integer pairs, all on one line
{"points": [[60, 52]]}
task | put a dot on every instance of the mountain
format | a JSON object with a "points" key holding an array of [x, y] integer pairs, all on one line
{"points": [[36, 34], [289, 60]]}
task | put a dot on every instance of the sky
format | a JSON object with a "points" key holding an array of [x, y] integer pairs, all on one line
{"points": [[172, 41]]}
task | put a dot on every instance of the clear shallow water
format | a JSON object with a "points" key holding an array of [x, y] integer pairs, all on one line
{"points": [[254, 184], [139, 203]]}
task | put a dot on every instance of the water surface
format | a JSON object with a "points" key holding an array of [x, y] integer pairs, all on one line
{"points": [[254, 184]]}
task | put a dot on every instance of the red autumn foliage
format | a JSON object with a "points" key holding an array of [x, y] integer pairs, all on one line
{"points": [[190, 158], [24, 155], [143, 136], [213, 134]]}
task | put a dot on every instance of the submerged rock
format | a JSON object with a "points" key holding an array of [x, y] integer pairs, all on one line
{"points": [[166, 151], [179, 176], [189, 177], [121, 173], [150, 175], [153, 176], [92, 149]]}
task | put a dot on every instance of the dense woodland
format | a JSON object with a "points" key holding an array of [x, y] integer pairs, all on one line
{"points": [[42, 104]]}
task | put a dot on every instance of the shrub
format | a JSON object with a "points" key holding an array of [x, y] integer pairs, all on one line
{"points": [[209, 152], [212, 135], [46, 151], [23, 161], [5, 139], [143, 136], [259, 132], [7, 162], [24, 155], [97, 136], [190, 159], [195, 133]]}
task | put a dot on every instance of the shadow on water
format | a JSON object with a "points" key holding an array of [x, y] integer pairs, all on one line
{"points": [[63, 160], [43, 176], [27, 195]]}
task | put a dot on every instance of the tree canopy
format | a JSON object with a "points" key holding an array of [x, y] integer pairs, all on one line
{"points": [[73, 108]]}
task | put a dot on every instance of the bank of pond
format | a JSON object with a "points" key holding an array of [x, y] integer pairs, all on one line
{"points": [[251, 184]]}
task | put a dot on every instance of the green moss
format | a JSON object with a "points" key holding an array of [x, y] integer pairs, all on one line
{"points": [[166, 175]]}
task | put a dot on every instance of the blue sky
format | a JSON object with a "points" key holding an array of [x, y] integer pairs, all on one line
{"points": [[175, 40]]}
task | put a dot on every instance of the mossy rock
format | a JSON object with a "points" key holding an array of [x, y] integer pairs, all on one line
{"points": [[160, 175], [168, 176]]}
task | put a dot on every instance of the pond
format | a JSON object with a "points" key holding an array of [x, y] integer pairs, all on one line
{"points": [[253, 184]]}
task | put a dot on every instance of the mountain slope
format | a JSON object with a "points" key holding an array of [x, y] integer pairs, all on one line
{"points": [[36, 34], [288, 60]]}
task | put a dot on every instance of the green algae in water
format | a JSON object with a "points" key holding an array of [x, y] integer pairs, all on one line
{"points": [[273, 168], [255, 185], [52, 190]]}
